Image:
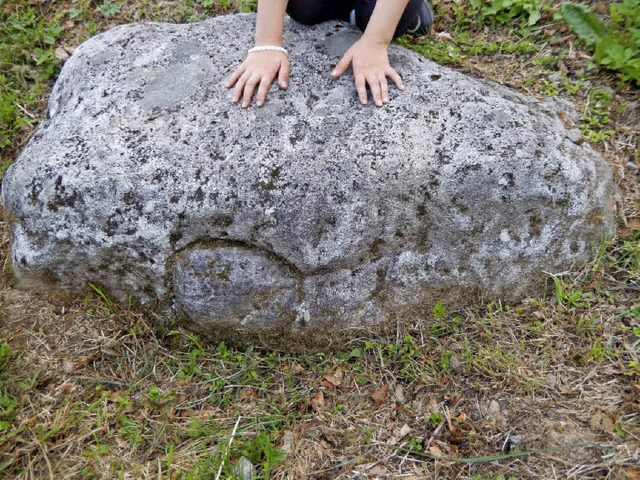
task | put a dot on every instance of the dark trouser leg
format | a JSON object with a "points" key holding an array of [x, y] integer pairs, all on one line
{"points": [[311, 12], [364, 9]]}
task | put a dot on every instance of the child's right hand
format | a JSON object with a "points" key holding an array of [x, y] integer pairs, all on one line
{"points": [[258, 71]]}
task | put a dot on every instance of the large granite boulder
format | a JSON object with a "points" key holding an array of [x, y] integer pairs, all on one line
{"points": [[304, 217]]}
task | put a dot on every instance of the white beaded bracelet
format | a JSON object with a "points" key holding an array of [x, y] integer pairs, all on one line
{"points": [[264, 48]]}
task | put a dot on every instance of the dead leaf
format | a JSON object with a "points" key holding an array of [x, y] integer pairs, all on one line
{"points": [[381, 395], [248, 394], [317, 402], [332, 380], [296, 368], [435, 451], [441, 449], [115, 396], [463, 417], [329, 436], [432, 403], [603, 421], [400, 433], [632, 227], [632, 474], [66, 388], [378, 471], [563, 389]]}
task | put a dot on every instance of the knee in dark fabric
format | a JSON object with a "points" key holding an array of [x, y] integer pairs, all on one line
{"points": [[307, 12], [364, 10]]}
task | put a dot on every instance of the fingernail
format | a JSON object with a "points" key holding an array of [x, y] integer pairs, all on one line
{"points": [[284, 84], [385, 99], [259, 104], [334, 73], [244, 105]]}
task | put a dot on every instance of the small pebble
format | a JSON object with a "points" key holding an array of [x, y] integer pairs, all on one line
{"points": [[555, 78], [61, 54], [575, 135], [245, 469], [494, 408], [455, 363], [68, 366]]}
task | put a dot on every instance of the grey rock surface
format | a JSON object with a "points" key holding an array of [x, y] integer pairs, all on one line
{"points": [[312, 212]]}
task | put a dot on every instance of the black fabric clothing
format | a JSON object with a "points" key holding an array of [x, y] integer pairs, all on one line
{"points": [[311, 12]]}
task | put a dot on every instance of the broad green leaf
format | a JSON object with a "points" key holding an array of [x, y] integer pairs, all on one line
{"points": [[631, 70], [611, 53], [534, 17], [584, 23]]}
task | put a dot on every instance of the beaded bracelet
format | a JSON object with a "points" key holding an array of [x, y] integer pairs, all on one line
{"points": [[264, 48]]}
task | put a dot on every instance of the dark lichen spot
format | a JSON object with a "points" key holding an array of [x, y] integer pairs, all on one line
{"points": [[276, 172], [221, 220], [265, 185], [224, 274], [462, 207], [508, 178], [535, 225], [595, 218], [376, 247], [130, 198]]}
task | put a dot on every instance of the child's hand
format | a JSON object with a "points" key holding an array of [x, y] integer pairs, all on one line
{"points": [[370, 67], [259, 70]]}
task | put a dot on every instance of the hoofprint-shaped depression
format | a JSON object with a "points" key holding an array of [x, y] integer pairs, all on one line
{"points": [[310, 211]]}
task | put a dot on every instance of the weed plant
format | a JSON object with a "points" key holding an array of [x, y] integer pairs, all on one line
{"points": [[616, 46]]}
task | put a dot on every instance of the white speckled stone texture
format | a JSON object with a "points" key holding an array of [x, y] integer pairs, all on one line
{"points": [[311, 212]]}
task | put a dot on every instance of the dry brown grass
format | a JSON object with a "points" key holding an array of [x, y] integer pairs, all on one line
{"points": [[550, 386]]}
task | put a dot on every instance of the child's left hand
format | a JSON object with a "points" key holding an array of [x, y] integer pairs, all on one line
{"points": [[371, 67]]}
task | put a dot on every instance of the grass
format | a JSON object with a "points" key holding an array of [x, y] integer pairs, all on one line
{"points": [[88, 389]]}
